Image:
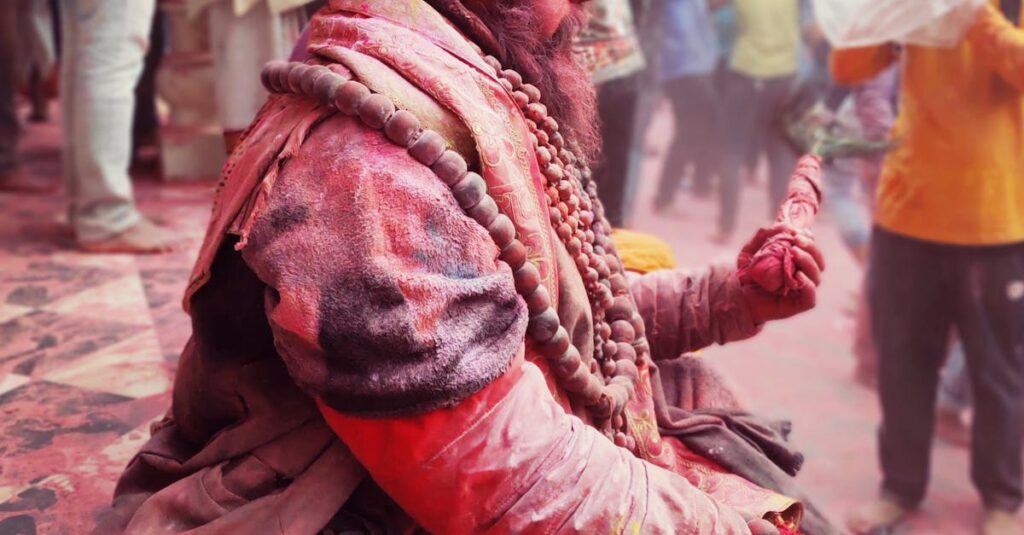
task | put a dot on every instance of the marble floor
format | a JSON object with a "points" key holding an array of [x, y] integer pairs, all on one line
{"points": [[88, 346]]}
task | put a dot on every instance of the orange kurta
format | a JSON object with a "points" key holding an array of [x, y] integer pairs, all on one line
{"points": [[956, 176]]}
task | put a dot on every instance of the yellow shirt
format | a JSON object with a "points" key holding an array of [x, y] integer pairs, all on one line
{"points": [[767, 38], [957, 174]]}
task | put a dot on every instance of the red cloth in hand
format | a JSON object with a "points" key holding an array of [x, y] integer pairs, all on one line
{"points": [[781, 266], [797, 251], [772, 266]]}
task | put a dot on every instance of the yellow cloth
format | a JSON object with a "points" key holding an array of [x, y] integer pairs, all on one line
{"points": [[957, 175], [642, 253], [767, 38]]}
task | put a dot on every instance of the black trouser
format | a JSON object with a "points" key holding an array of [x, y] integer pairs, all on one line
{"points": [[919, 291], [9, 125], [695, 110], [146, 120], [753, 111], [618, 104]]}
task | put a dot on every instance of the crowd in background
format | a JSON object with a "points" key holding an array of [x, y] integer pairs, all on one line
{"points": [[107, 54], [742, 78], [939, 226]]}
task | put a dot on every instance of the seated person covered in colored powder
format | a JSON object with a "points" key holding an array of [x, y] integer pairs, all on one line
{"points": [[409, 313]]}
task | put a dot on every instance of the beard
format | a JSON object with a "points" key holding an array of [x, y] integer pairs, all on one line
{"points": [[548, 63]]}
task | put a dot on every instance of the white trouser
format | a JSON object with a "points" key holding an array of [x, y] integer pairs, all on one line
{"points": [[104, 45], [242, 45]]}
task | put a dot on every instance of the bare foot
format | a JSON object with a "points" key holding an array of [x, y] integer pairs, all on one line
{"points": [[953, 427], [1000, 522], [876, 517], [18, 181], [143, 238]]}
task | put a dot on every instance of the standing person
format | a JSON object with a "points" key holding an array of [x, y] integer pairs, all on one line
{"points": [[948, 251], [244, 36], [689, 57], [761, 73], [610, 47], [103, 47], [40, 57], [13, 48], [724, 16], [12, 178]]}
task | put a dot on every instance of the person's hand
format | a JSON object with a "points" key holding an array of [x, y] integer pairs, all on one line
{"points": [[808, 261]]}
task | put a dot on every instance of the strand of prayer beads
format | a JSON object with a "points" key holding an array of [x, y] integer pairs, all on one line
{"points": [[576, 215], [587, 237]]}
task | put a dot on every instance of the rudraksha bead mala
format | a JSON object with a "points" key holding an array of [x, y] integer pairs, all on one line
{"points": [[607, 382]]}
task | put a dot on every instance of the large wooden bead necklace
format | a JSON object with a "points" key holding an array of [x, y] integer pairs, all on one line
{"points": [[607, 382]]}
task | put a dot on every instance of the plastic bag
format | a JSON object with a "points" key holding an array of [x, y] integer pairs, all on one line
{"points": [[938, 23]]}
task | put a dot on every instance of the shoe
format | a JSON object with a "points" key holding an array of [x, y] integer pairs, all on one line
{"points": [[18, 181], [145, 237], [877, 517], [1000, 522]]}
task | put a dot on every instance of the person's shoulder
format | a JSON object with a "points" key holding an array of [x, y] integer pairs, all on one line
{"points": [[349, 163], [340, 145]]}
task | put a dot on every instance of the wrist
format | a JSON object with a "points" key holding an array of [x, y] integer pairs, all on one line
{"points": [[735, 308]]}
